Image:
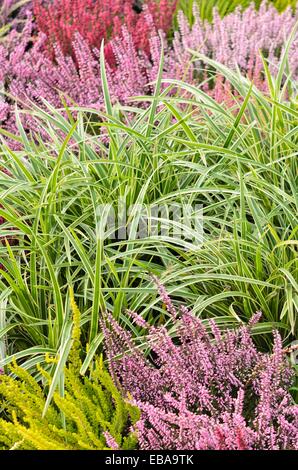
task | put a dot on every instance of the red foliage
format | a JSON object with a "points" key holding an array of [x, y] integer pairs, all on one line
{"points": [[99, 19]]}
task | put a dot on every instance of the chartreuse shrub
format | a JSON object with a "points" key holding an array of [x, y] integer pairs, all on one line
{"points": [[205, 390], [90, 414]]}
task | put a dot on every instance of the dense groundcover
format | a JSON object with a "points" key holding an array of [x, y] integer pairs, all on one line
{"points": [[148, 225]]}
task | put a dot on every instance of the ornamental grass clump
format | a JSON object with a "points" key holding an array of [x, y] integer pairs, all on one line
{"points": [[205, 388], [91, 414]]}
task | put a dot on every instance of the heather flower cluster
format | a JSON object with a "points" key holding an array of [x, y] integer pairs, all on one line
{"points": [[236, 41], [205, 388], [96, 20], [30, 74], [32, 77]]}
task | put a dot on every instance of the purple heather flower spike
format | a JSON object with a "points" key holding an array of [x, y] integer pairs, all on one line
{"points": [[165, 296], [111, 443], [199, 393]]}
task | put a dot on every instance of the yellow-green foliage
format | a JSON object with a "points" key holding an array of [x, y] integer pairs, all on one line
{"points": [[91, 406]]}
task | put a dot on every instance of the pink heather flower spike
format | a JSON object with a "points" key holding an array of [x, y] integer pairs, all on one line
{"points": [[255, 319], [111, 442], [138, 319], [165, 296]]}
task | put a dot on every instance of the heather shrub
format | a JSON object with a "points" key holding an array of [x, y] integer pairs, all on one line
{"points": [[96, 20], [205, 389], [91, 413], [32, 78], [234, 41], [225, 7]]}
